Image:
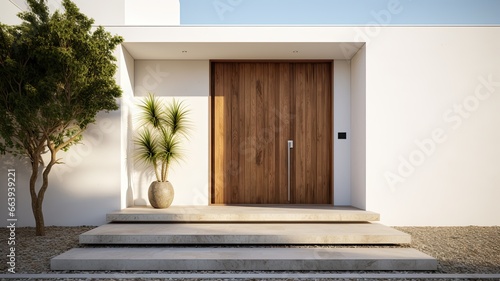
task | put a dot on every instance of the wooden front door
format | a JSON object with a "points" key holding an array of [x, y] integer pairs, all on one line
{"points": [[257, 107]]}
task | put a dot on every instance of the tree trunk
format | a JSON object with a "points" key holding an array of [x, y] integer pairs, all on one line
{"points": [[37, 198], [41, 193], [40, 224], [35, 206]]}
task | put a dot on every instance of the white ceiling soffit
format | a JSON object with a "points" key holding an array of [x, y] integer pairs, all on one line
{"points": [[268, 51]]}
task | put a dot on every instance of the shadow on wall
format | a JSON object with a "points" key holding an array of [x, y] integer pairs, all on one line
{"points": [[82, 212], [190, 175], [172, 78], [82, 189], [186, 81]]}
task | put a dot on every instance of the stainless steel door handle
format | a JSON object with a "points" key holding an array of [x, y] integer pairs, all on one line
{"points": [[290, 146]]}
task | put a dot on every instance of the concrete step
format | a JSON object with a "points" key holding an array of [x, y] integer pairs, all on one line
{"points": [[243, 259], [244, 213], [247, 233]]}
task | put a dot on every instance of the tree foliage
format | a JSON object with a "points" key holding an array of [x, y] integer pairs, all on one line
{"points": [[56, 74]]}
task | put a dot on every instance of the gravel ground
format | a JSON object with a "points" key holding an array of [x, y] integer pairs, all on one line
{"points": [[469, 249], [458, 249]]}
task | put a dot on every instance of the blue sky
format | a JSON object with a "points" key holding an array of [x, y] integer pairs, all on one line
{"points": [[384, 12]]}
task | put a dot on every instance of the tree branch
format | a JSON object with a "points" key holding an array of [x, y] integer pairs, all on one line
{"points": [[70, 140]]}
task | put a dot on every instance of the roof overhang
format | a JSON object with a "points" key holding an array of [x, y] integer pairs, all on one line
{"points": [[269, 43]]}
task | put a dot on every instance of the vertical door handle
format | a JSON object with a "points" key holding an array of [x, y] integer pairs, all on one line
{"points": [[290, 146]]}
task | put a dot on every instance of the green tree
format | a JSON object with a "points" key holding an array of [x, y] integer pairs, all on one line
{"points": [[56, 74]]}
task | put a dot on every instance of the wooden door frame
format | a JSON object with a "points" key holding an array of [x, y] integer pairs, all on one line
{"points": [[211, 113]]}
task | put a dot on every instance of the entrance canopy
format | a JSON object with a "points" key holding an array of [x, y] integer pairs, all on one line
{"points": [[190, 43]]}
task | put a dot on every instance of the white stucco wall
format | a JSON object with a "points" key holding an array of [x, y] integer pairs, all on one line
{"points": [[156, 12], [126, 80], [90, 183], [409, 85], [358, 129], [109, 12], [100, 11], [83, 189], [427, 138], [186, 81], [432, 100], [342, 123], [9, 11], [131, 12]]}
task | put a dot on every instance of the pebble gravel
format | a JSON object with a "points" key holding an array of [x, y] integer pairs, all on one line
{"points": [[470, 249]]}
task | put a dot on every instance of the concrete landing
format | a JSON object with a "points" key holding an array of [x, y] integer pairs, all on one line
{"points": [[243, 259], [244, 213], [250, 233]]}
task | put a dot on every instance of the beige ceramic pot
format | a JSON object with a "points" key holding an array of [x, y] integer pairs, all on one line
{"points": [[161, 194]]}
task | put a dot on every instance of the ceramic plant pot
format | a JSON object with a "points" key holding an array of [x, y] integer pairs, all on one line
{"points": [[161, 194]]}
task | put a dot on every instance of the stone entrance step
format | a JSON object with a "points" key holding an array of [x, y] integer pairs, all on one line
{"points": [[244, 233], [244, 213], [243, 259], [192, 229]]}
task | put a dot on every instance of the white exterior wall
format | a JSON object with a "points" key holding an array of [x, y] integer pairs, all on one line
{"points": [[341, 123], [432, 100], [109, 12], [396, 85], [186, 81], [82, 190], [423, 112], [127, 83], [358, 128], [131, 12], [9, 11], [90, 183], [156, 12]]}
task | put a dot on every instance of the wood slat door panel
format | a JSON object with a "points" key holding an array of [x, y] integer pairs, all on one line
{"points": [[312, 134], [284, 121], [257, 108], [218, 141]]}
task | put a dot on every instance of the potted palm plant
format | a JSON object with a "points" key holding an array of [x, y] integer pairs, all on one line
{"points": [[163, 127]]}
